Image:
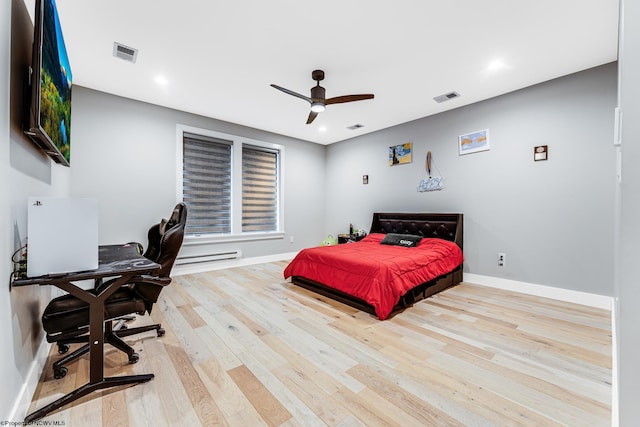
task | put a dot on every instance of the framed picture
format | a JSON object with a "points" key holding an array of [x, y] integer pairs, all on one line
{"points": [[400, 154], [540, 152], [473, 142]]}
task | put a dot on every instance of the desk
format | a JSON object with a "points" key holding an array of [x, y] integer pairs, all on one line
{"points": [[122, 261]]}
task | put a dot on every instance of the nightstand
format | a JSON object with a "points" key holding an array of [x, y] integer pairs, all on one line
{"points": [[349, 238]]}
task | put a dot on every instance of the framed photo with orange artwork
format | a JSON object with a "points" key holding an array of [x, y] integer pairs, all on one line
{"points": [[473, 142]]}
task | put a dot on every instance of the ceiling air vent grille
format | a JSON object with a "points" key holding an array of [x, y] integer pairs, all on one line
{"points": [[125, 52], [446, 97], [354, 127]]}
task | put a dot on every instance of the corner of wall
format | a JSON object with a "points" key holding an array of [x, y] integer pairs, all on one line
{"points": [[24, 397]]}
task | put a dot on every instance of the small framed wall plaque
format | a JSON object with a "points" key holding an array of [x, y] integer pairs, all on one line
{"points": [[540, 153]]}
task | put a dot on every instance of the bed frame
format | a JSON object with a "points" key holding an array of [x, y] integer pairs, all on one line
{"points": [[446, 226]]}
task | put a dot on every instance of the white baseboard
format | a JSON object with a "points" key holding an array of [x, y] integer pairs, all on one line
{"points": [[24, 397], [577, 297], [615, 410], [179, 270]]}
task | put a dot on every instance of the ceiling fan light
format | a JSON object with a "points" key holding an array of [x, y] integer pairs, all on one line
{"points": [[317, 107]]}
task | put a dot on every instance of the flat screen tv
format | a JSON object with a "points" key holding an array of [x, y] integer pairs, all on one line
{"points": [[48, 121]]}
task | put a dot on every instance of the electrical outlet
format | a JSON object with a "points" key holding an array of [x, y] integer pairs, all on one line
{"points": [[291, 239], [502, 259]]}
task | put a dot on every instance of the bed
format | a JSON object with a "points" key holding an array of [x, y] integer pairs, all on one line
{"points": [[382, 279]]}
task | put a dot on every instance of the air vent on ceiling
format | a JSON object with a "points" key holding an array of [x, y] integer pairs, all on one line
{"points": [[125, 52], [356, 126], [446, 97]]}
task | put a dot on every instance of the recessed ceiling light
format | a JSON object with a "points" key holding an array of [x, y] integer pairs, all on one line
{"points": [[162, 81], [322, 129], [496, 65]]}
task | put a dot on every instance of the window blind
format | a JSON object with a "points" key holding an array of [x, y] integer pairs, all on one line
{"points": [[259, 189], [206, 183]]}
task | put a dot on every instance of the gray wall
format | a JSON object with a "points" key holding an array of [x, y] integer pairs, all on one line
{"points": [[627, 295], [10, 374], [24, 172], [124, 154], [553, 219]]}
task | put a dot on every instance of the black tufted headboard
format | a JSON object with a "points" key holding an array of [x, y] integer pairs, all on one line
{"points": [[446, 226]]}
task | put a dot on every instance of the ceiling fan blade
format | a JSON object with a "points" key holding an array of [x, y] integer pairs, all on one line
{"points": [[348, 98], [290, 92], [312, 116]]}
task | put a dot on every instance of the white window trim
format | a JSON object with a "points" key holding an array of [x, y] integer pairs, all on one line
{"points": [[236, 187]]}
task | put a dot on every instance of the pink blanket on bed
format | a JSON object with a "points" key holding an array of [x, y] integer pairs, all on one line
{"points": [[376, 273]]}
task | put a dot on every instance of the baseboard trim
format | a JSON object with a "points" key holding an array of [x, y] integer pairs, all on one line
{"points": [[179, 270], [615, 409], [25, 396], [567, 295]]}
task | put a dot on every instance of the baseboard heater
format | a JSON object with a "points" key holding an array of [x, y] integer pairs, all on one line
{"points": [[216, 256]]}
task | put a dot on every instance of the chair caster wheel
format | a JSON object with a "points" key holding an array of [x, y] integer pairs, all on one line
{"points": [[60, 373], [134, 358], [161, 332], [63, 348]]}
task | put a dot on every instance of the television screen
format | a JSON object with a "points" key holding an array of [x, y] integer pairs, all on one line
{"points": [[49, 117]]}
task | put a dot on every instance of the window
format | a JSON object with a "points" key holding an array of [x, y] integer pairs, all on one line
{"points": [[231, 185], [206, 184], [259, 189]]}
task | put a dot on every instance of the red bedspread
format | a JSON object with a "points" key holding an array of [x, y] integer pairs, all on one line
{"points": [[376, 273]]}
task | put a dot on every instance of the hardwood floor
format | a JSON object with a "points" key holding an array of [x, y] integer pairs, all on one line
{"points": [[243, 347]]}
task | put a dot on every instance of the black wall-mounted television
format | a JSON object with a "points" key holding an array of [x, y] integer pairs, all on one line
{"points": [[48, 121]]}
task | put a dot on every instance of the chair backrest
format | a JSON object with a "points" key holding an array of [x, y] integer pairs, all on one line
{"points": [[165, 240]]}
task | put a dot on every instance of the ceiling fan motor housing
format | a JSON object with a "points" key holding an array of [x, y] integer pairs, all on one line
{"points": [[317, 92]]}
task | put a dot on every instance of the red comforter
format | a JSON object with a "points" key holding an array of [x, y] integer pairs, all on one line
{"points": [[376, 273]]}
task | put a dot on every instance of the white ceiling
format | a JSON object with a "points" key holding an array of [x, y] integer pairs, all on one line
{"points": [[219, 57]]}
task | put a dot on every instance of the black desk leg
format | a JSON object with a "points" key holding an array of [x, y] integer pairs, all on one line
{"points": [[86, 389], [96, 350]]}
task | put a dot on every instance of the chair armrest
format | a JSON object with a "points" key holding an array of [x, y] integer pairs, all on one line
{"points": [[138, 246], [144, 278], [154, 280]]}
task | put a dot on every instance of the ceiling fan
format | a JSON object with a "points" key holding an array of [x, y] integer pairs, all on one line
{"points": [[317, 100]]}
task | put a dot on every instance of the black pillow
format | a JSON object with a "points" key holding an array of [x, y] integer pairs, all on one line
{"points": [[406, 240]]}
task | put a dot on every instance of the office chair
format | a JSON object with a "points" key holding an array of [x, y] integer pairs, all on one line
{"points": [[66, 318]]}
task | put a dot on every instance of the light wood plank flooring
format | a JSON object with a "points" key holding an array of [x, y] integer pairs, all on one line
{"points": [[245, 348]]}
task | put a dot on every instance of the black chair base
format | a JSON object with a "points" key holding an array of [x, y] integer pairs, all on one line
{"points": [[112, 336]]}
